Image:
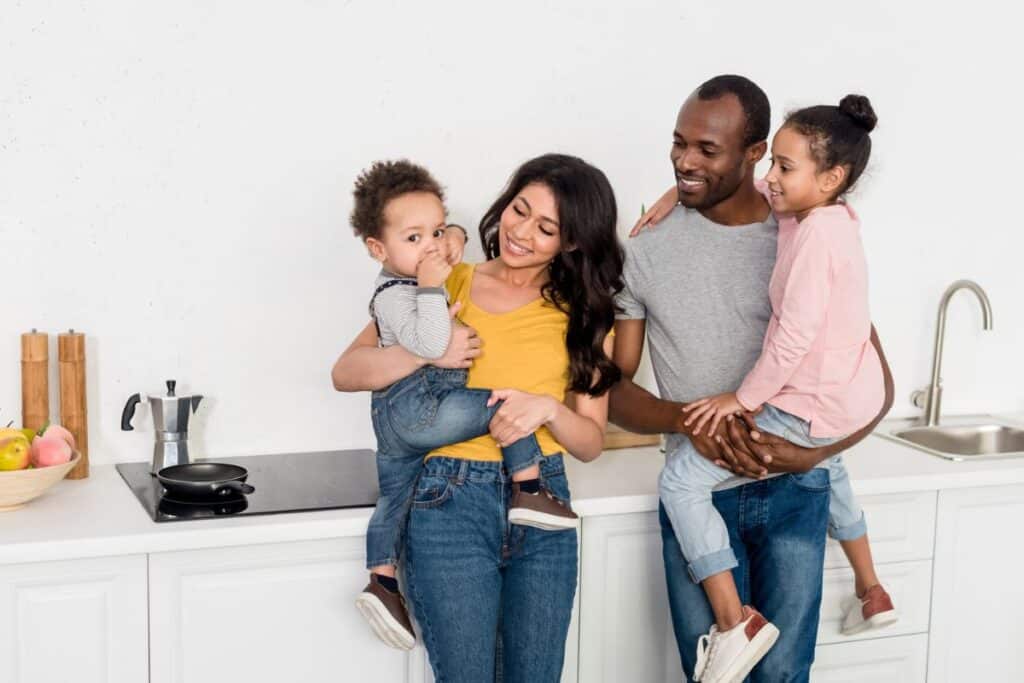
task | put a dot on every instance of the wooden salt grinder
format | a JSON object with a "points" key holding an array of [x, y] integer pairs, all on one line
{"points": [[71, 355]]}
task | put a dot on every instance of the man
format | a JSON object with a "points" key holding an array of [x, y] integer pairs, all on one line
{"points": [[698, 284]]}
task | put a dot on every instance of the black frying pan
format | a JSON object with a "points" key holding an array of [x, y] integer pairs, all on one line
{"points": [[205, 480]]}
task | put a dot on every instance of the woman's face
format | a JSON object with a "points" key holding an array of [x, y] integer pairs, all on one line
{"points": [[529, 233]]}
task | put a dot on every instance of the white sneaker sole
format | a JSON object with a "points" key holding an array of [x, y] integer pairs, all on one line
{"points": [[385, 626], [541, 520], [752, 654], [880, 620]]}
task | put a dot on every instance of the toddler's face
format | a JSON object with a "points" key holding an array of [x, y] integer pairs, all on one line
{"points": [[414, 227]]}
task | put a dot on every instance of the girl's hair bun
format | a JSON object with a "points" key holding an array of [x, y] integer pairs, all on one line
{"points": [[859, 109]]}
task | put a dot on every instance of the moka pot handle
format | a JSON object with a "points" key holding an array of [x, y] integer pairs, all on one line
{"points": [[129, 412]]}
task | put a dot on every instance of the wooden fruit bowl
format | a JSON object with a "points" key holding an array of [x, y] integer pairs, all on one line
{"points": [[17, 487]]}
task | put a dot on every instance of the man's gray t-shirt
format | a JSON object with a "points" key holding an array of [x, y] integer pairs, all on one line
{"points": [[703, 290]]}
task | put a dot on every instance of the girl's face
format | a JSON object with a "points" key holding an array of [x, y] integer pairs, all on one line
{"points": [[528, 232], [796, 184]]}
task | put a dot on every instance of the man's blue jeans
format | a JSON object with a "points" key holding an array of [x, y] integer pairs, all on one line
{"points": [[428, 409], [777, 530], [493, 599]]}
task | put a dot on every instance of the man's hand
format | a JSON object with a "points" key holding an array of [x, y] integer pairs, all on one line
{"points": [[433, 270], [464, 345], [777, 454], [716, 447]]}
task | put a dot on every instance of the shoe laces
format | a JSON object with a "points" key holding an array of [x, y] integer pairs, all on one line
{"points": [[706, 651]]}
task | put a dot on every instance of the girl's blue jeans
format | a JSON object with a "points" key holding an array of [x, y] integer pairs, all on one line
{"points": [[428, 409]]}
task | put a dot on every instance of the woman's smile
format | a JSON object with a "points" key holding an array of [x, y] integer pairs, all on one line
{"points": [[515, 248]]}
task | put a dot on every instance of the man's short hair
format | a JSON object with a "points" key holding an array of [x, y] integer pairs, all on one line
{"points": [[753, 100]]}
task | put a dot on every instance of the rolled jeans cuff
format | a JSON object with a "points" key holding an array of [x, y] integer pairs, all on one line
{"points": [[711, 564], [386, 562], [850, 531]]}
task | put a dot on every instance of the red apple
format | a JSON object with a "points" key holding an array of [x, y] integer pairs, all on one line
{"points": [[50, 450], [60, 432]]}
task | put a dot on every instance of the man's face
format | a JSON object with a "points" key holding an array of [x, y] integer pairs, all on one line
{"points": [[708, 154]]}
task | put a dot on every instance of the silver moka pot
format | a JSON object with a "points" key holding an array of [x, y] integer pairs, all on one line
{"points": [[170, 423]]}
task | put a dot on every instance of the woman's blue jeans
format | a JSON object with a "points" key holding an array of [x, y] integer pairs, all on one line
{"points": [[493, 600]]}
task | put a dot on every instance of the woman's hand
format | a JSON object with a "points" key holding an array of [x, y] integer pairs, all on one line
{"points": [[712, 408], [455, 236], [464, 345], [653, 215], [520, 415]]}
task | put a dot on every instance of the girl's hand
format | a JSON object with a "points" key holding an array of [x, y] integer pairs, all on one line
{"points": [[520, 415], [712, 408], [653, 215]]}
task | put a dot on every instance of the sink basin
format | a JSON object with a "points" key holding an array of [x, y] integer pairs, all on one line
{"points": [[977, 438]]}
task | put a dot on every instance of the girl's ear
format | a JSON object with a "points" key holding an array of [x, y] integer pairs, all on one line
{"points": [[376, 249], [831, 180]]}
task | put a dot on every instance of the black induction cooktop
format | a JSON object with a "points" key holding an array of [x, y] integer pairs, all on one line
{"points": [[289, 482]]}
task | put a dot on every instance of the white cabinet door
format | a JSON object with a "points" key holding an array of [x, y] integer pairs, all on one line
{"points": [[74, 620], [625, 627], [886, 660], [266, 614], [978, 595], [901, 527]]}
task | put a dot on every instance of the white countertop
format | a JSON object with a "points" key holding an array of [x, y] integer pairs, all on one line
{"points": [[100, 515]]}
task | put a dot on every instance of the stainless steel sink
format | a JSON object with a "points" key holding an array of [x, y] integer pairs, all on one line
{"points": [[961, 438], [978, 437]]}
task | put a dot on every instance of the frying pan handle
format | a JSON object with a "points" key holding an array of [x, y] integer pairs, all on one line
{"points": [[235, 487]]}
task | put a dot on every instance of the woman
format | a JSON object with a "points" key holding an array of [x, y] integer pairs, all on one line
{"points": [[543, 306]]}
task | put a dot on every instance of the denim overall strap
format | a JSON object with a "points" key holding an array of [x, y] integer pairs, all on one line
{"points": [[386, 285]]}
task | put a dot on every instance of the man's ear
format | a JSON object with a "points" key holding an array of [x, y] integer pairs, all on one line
{"points": [[376, 249], [831, 180], [756, 152]]}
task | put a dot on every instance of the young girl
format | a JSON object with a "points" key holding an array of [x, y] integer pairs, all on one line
{"points": [[818, 377]]}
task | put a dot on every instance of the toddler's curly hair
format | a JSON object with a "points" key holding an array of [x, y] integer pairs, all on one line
{"points": [[378, 185]]}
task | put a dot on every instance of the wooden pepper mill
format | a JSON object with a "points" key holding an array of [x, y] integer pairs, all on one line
{"points": [[71, 355], [35, 379]]}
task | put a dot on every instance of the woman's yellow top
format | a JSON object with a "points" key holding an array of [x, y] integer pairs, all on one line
{"points": [[523, 349]]}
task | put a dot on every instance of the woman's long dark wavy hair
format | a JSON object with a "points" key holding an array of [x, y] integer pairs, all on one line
{"points": [[587, 273]]}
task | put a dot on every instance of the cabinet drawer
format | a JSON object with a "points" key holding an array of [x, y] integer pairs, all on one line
{"points": [[884, 660], [901, 527], [909, 584]]}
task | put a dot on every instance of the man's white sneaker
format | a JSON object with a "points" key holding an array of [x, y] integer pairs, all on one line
{"points": [[873, 610], [728, 656]]}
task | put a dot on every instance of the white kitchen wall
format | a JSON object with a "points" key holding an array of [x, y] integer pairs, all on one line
{"points": [[175, 177]]}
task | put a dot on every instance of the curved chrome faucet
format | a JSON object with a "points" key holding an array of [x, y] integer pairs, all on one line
{"points": [[930, 398]]}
